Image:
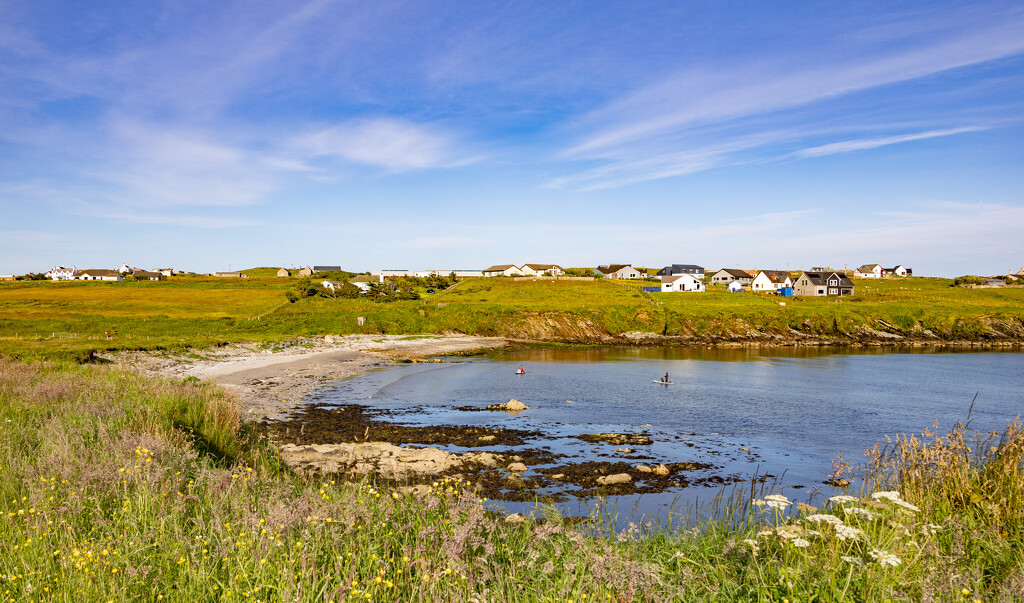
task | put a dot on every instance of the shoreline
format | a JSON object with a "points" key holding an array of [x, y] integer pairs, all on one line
{"points": [[269, 384]]}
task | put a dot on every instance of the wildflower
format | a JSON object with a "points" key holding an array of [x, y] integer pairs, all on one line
{"points": [[842, 499], [853, 560], [829, 519], [845, 532], [800, 543], [886, 494], [884, 558], [965, 591], [860, 513]]}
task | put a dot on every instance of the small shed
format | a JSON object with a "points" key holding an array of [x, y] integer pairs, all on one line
{"points": [[735, 287], [283, 272]]}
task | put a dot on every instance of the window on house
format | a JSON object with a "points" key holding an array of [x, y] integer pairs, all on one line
{"points": [[833, 282], [833, 291]]}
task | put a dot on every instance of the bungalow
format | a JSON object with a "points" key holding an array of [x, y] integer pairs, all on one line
{"points": [[7, 277], [681, 283], [60, 273], [283, 272], [99, 274], [868, 271], [503, 270], [822, 283], [540, 269], [621, 271], [728, 275], [326, 268], [674, 269], [332, 285], [362, 281], [771, 280], [145, 275], [899, 270]]}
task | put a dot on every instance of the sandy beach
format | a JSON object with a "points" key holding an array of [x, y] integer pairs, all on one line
{"points": [[270, 383]]}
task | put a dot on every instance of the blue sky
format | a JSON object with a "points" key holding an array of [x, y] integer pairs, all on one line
{"points": [[419, 135]]}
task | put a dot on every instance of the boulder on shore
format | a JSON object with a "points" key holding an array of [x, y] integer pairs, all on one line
{"points": [[512, 405], [617, 478]]}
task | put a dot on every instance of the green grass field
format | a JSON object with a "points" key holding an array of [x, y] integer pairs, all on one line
{"points": [[70, 319]]}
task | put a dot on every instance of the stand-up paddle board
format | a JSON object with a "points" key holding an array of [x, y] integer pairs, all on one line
{"points": [[664, 382]]}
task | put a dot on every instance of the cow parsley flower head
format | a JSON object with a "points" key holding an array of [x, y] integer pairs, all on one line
{"points": [[884, 558], [821, 517], [845, 532], [841, 499], [853, 560], [860, 513], [800, 543], [886, 494]]}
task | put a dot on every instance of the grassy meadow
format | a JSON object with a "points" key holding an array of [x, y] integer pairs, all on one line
{"points": [[116, 487], [53, 320]]}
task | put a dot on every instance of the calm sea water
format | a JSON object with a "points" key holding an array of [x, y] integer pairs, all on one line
{"points": [[793, 411]]}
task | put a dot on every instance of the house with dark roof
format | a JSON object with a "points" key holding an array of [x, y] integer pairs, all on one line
{"points": [[822, 284], [771, 280], [674, 269], [326, 268], [620, 271], [728, 275]]}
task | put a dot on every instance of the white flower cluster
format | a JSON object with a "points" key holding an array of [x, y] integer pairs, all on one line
{"points": [[845, 532], [841, 499], [829, 519], [800, 543], [860, 513], [884, 558], [893, 497], [853, 560]]}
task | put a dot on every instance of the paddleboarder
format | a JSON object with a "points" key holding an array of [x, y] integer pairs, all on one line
{"points": [[665, 378], [520, 370]]}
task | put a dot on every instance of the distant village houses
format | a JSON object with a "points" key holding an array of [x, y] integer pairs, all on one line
{"points": [[60, 273], [99, 274], [283, 272]]}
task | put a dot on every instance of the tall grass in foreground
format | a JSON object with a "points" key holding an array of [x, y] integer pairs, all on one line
{"points": [[116, 487]]}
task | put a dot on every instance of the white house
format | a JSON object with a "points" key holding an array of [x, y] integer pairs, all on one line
{"points": [[60, 273], [332, 285], [728, 275], [771, 280], [503, 270], [622, 271], [734, 287], [99, 274], [868, 271], [899, 270], [540, 269], [362, 281], [681, 282]]}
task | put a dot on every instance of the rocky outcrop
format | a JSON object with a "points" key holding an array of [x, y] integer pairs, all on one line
{"points": [[512, 405], [383, 460]]}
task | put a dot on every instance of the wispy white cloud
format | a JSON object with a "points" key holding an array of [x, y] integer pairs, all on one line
{"points": [[193, 221], [155, 166], [391, 143], [847, 146], [672, 117]]}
